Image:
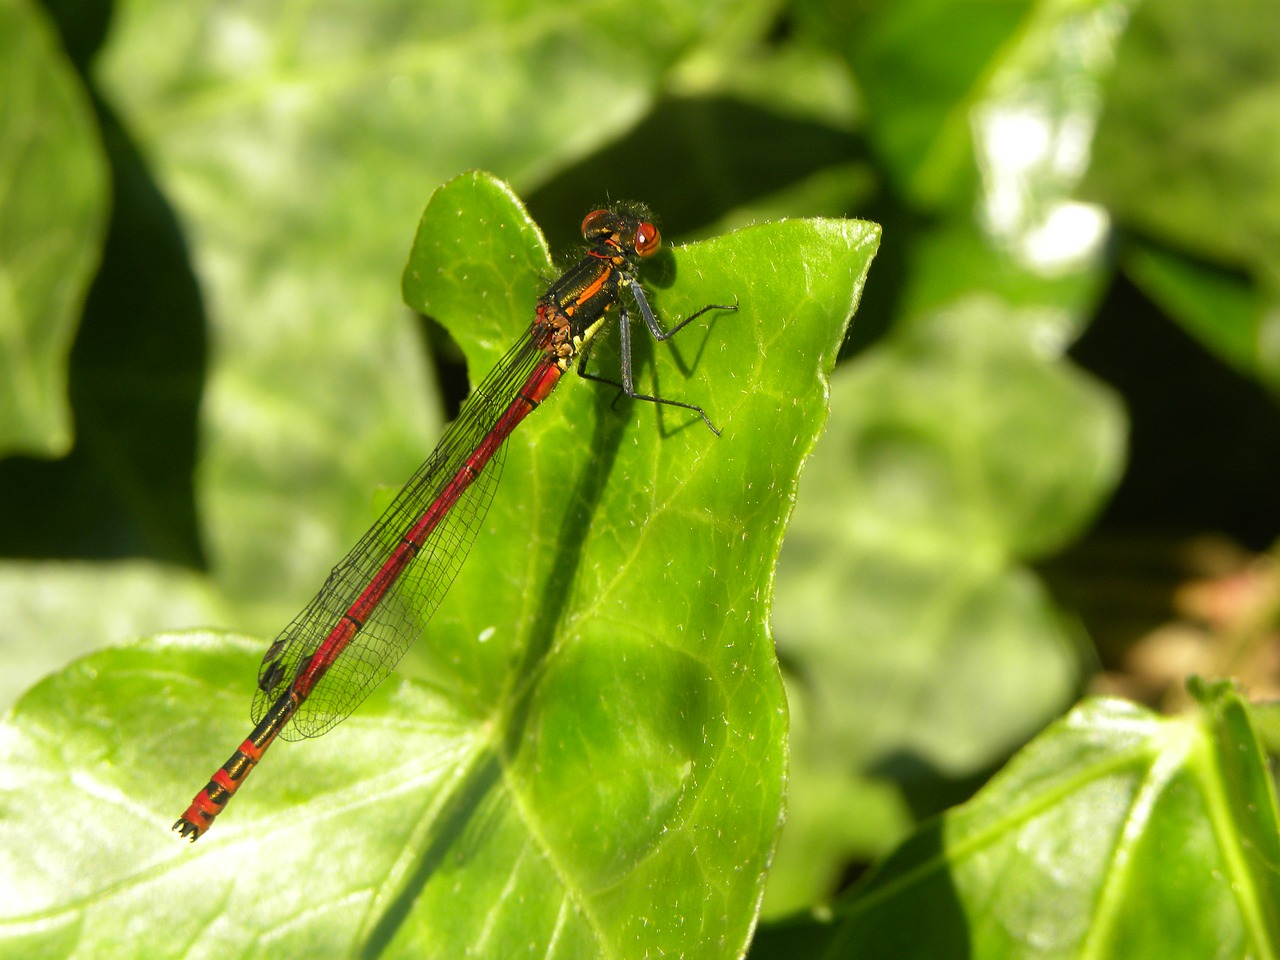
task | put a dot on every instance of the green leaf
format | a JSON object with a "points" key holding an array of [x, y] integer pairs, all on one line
{"points": [[53, 206], [292, 142], [963, 445], [1185, 158], [959, 448], [1233, 317], [1186, 149], [988, 120], [594, 764], [1000, 103], [919, 63], [955, 259], [1148, 837], [57, 611]]}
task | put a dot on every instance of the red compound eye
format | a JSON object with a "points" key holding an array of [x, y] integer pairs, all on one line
{"points": [[648, 239], [597, 224]]}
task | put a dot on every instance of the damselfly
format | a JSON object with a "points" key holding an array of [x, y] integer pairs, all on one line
{"points": [[376, 601]]}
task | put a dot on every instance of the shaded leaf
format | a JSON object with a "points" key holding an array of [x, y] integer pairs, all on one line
{"points": [[1186, 149], [1233, 317], [53, 208], [1114, 834]]}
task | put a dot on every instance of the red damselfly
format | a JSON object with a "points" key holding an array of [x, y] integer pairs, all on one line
{"points": [[376, 601]]}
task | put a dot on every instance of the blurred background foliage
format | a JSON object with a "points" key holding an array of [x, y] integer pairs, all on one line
{"points": [[1052, 456]]}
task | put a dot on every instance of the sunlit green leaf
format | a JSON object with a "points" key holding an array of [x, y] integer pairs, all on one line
{"points": [[997, 102], [57, 611], [919, 64], [595, 761]]}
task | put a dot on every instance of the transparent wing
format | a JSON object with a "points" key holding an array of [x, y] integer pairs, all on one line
{"points": [[385, 633]]}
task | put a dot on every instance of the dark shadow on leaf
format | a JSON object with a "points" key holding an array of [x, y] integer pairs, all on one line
{"points": [[692, 160], [605, 362], [926, 790], [458, 823], [452, 824], [880, 916], [136, 375], [583, 506]]}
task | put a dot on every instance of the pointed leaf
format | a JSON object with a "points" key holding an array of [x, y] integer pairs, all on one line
{"points": [[594, 765]]}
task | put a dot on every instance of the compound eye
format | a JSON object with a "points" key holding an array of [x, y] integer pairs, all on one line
{"points": [[648, 239], [596, 224]]}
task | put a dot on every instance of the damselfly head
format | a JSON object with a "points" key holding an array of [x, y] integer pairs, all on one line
{"points": [[626, 227]]}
